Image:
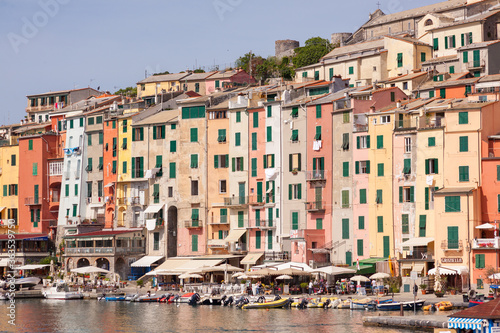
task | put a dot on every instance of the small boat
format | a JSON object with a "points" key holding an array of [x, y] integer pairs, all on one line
{"points": [[184, 298], [301, 303], [279, 303], [395, 306], [345, 304], [363, 304], [60, 290], [29, 282], [444, 306], [148, 298], [474, 303], [429, 307], [115, 298]]}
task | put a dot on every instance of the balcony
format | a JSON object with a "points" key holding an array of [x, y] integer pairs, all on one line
{"points": [[405, 124], [134, 201], [221, 220], [475, 64], [276, 256], [256, 200], [104, 250], [8, 222], [236, 202], [261, 224], [315, 206], [32, 201], [431, 122], [237, 248], [193, 224], [216, 244], [121, 201], [452, 245], [315, 175], [486, 243], [55, 168]]}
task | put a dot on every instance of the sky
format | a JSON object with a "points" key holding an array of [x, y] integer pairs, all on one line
{"points": [[50, 45]]}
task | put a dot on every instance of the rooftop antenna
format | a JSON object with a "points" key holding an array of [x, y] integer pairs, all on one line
{"points": [[378, 4]]}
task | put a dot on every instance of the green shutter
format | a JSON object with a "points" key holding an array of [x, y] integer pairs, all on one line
{"points": [[101, 138], [194, 243], [35, 169], [269, 111], [76, 189], [172, 170], [254, 141], [173, 146], [431, 141], [446, 42], [368, 167], [405, 223], [237, 139], [269, 239], [66, 190], [360, 247], [465, 57], [269, 134], [401, 194], [257, 239], [238, 116], [422, 56], [345, 228], [362, 196], [400, 59], [358, 142], [30, 144], [367, 141], [154, 132], [254, 167], [412, 193], [436, 44], [295, 221], [5, 190], [379, 197], [356, 167], [318, 111], [463, 173], [141, 167], [194, 135], [255, 120], [422, 225], [463, 117], [380, 224], [464, 143], [386, 247], [233, 160], [453, 237], [380, 141], [348, 258], [452, 204], [345, 169], [351, 70], [426, 198], [380, 169], [89, 139], [124, 167], [361, 222], [319, 224], [133, 167]]}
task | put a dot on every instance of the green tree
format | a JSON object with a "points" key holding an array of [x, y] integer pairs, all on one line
{"points": [[162, 73], [129, 91], [199, 70], [314, 49]]}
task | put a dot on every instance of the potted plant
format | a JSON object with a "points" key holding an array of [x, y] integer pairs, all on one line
{"points": [[303, 286], [423, 288], [140, 283], [452, 290], [295, 171]]}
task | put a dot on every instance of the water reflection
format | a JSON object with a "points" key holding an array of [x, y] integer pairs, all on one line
{"points": [[92, 316]]}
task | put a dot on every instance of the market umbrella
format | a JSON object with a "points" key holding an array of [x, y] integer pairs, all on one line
{"points": [[222, 268], [334, 270], [359, 278], [264, 272], [235, 275], [291, 271], [284, 277], [190, 276], [495, 276], [379, 276], [90, 269], [486, 226]]}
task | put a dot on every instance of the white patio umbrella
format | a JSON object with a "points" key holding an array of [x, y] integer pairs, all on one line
{"points": [[495, 276], [235, 275], [359, 278], [190, 276], [284, 277], [90, 269], [334, 270], [379, 276], [488, 226]]}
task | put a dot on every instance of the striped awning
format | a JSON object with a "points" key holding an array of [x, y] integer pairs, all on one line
{"points": [[465, 323]]}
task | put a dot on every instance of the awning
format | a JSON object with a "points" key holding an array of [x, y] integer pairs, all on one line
{"points": [[153, 208], [196, 264], [419, 266], [216, 243], [172, 264], [109, 184], [418, 241], [32, 267], [406, 266], [451, 270], [251, 258], [146, 261], [2, 208], [4, 262], [466, 323], [96, 205], [234, 235], [364, 269]]}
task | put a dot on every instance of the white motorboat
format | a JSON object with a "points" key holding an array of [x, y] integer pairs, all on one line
{"points": [[60, 290]]}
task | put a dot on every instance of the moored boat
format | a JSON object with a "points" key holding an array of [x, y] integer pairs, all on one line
{"points": [[444, 306], [280, 303], [363, 304], [60, 290], [395, 306]]}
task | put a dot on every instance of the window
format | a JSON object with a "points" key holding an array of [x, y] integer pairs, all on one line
{"points": [[269, 135], [197, 87], [294, 162], [254, 141], [442, 92], [407, 166], [124, 126], [362, 167], [453, 238], [480, 261], [222, 136], [237, 139], [463, 117], [89, 189], [269, 161], [380, 141], [407, 145], [30, 144], [406, 194], [100, 165], [318, 133], [194, 243], [316, 75], [172, 172], [173, 146], [294, 191], [452, 204], [66, 190], [351, 70], [452, 70], [422, 225], [380, 169], [345, 228], [222, 186], [156, 193], [431, 166], [449, 42], [295, 112], [193, 135], [170, 191], [194, 161], [405, 223], [431, 141], [464, 143], [378, 198], [405, 85], [158, 132], [345, 199], [255, 120], [431, 94], [194, 187], [400, 59], [156, 241], [238, 164], [137, 167], [436, 44], [138, 134], [345, 169], [318, 111], [422, 56], [75, 209], [346, 117], [380, 224], [393, 96], [114, 147], [295, 136], [124, 167], [221, 161], [254, 167], [345, 141], [99, 188], [238, 116], [361, 222], [362, 196], [269, 111], [35, 169], [360, 247], [98, 120], [295, 220], [319, 224], [193, 112], [71, 123], [463, 173], [385, 119], [363, 141]]}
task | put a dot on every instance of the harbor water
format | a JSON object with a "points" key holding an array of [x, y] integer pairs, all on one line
{"points": [[41, 315]]}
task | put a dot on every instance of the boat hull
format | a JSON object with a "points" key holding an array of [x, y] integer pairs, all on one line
{"points": [[284, 302], [395, 306], [64, 296]]}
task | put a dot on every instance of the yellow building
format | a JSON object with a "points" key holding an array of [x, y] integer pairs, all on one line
{"points": [[380, 201], [9, 179], [155, 84], [123, 190]]}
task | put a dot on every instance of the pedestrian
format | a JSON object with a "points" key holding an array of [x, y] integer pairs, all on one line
{"points": [[374, 286], [326, 287], [310, 287]]}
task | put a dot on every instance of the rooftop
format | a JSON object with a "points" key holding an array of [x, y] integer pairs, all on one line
{"points": [[487, 310], [164, 78]]}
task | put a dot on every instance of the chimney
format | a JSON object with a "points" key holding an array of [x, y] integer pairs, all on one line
{"points": [[372, 109], [398, 104]]}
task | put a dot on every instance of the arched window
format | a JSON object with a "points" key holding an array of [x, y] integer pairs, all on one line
{"points": [[428, 22]]}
